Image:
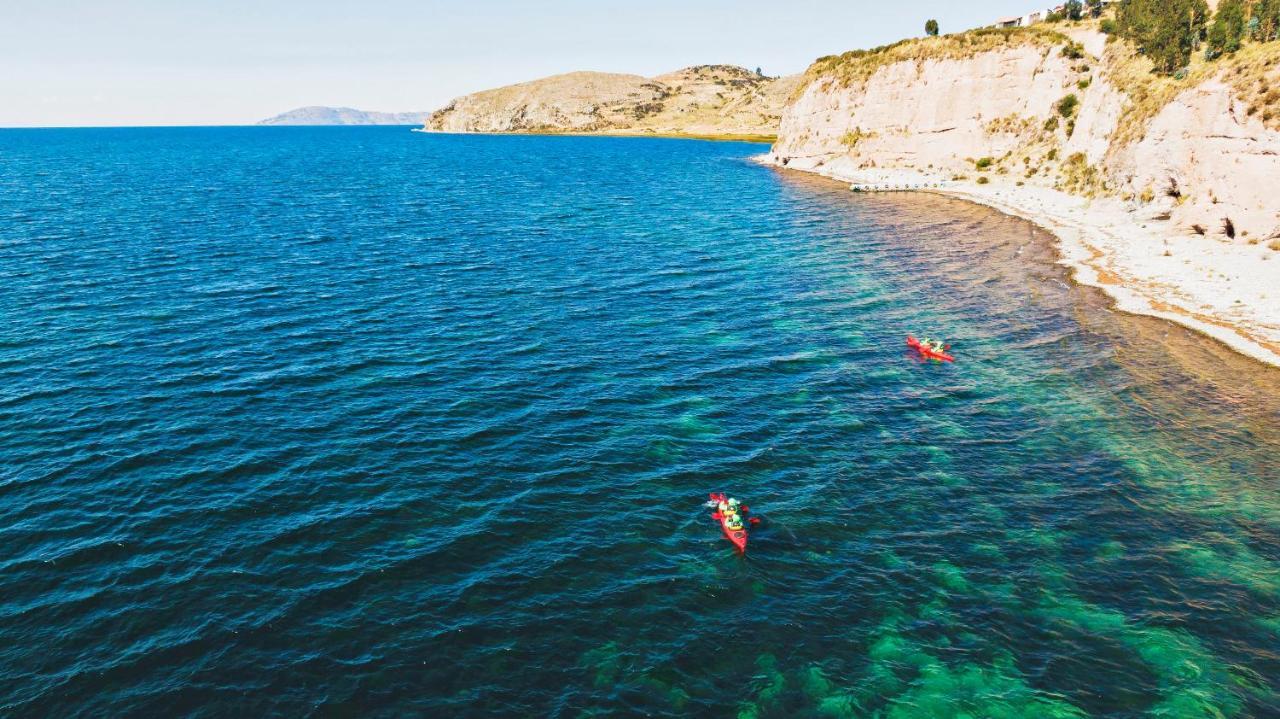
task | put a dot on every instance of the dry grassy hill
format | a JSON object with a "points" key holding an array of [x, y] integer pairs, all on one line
{"points": [[707, 100]]}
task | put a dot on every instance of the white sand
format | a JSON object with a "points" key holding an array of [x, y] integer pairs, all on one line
{"points": [[1229, 290]]}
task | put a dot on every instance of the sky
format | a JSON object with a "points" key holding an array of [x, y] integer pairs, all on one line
{"points": [[234, 62]]}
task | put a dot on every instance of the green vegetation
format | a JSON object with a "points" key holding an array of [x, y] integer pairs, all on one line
{"points": [[931, 28], [984, 163], [983, 180], [1227, 31], [1264, 25], [1166, 31], [1067, 106], [1169, 31]]}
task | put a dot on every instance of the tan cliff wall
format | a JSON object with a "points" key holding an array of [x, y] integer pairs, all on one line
{"points": [[1196, 151], [1207, 162], [933, 112]]}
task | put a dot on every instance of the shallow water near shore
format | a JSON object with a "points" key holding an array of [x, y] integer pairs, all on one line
{"points": [[358, 421]]}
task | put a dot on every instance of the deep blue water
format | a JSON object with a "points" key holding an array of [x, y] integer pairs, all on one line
{"points": [[364, 422]]}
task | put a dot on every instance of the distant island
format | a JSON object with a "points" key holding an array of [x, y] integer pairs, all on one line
{"points": [[320, 115], [722, 101]]}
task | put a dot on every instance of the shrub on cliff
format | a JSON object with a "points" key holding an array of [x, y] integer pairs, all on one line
{"points": [[1080, 178], [1067, 105], [853, 137], [931, 28], [1166, 31]]}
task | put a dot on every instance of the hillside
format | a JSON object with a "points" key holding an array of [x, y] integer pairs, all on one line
{"points": [[319, 115], [708, 100], [1165, 180]]}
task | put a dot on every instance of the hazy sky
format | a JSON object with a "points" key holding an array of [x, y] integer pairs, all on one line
{"points": [[183, 62]]}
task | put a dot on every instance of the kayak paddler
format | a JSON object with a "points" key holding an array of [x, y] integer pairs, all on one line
{"points": [[734, 513], [733, 521]]}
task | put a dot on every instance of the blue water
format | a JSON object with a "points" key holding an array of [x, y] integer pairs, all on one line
{"points": [[364, 422]]}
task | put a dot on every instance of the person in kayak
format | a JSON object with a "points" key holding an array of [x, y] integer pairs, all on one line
{"points": [[939, 346], [734, 514], [733, 520]]}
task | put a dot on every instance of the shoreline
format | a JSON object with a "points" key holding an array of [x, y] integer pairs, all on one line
{"points": [[1143, 264], [712, 137]]}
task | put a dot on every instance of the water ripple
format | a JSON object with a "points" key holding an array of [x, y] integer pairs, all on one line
{"points": [[325, 422]]}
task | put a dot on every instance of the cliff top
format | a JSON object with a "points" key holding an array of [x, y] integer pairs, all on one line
{"points": [[860, 65]]}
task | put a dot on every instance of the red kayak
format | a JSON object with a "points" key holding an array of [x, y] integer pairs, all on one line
{"points": [[737, 536], [929, 351]]}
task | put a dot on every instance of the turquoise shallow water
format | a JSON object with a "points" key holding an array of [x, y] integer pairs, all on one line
{"points": [[362, 422]]}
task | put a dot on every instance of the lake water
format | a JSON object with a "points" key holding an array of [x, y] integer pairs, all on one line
{"points": [[365, 422]]}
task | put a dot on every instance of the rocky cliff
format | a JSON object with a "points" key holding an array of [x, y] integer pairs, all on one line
{"points": [[319, 115], [1061, 109], [710, 100], [1167, 184]]}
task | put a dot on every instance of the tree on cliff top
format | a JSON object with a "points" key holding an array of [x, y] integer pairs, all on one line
{"points": [[1227, 30], [1166, 31], [1264, 26], [931, 28]]}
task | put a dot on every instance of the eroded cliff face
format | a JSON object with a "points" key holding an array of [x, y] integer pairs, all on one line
{"points": [[929, 113], [1200, 157], [703, 100], [1209, 166]]}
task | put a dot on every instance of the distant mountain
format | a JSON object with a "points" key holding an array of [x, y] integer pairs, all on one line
{"points": [[319, 115], [707, 100]]}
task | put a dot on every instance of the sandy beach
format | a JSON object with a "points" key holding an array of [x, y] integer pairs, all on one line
{"points": [[1229, 290]]}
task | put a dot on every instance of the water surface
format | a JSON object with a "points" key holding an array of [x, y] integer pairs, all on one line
{"points": [[362, 422]]}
